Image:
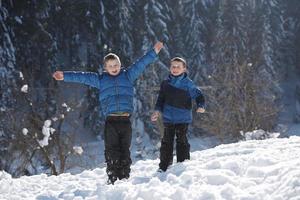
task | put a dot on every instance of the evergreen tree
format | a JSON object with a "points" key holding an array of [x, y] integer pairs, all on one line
{"points": [[238, 100], [271, 14], [8, 85], [236, 48]]}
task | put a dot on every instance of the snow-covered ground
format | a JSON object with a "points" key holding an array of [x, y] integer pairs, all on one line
{"points": [[142, 148], [250, 170]]}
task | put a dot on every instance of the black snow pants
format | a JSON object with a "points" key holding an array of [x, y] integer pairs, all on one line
{"points": [[167, 143], [117, 140]]}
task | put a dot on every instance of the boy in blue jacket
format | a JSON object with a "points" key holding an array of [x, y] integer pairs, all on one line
{"points": [[115, 87], [175, 103]]}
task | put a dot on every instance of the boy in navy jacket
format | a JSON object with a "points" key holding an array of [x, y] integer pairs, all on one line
{"points": [[175, 103], [115, 87]]}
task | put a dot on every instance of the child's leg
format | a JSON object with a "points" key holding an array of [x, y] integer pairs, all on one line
{"points": [[166, 149], [125, 141], [182, 144], [112, 148]]}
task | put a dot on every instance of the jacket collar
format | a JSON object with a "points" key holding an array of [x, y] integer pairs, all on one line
{"points": [[179, 77], [174, 80], [121, 71]]}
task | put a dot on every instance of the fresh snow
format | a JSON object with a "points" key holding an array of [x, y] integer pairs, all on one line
{"points": [[25, 131], [47, 131], [24, 89], [18, 19], [249, 170], [259, 135], [78, 150], [21, 76]]}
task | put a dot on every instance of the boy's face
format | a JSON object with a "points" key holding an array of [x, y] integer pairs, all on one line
{"points": [[177, 68], [113, 67]]}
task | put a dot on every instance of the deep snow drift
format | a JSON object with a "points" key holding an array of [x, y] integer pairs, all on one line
{"points": [[250, 170]]}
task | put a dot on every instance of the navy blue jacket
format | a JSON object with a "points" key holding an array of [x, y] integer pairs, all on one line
{"points": [[115, 92], [175, 99]]}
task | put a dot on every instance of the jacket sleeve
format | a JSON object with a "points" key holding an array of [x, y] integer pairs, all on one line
{"points": [[87, 78], [159, 106], [197, 94], [137, 68]]}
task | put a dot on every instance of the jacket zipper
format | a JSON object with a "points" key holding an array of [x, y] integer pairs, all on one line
{"points": [[117, 95]]}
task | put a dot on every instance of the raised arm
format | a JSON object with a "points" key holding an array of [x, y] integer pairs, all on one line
{"points": [[159, 106], [87, 78], [136, 69]]}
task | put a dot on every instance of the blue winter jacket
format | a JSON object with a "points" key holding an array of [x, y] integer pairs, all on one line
{"points": [[175, 99], [115, 92]]}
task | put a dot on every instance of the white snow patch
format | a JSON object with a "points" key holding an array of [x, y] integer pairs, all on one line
{"points": [[24, 88], [66, 106], [47, 131], [25, 131], [78, 150], [18, 19], [259, 135], [252, 170], [21, 76]]}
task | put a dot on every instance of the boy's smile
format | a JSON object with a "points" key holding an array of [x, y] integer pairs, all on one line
{"points": [[113, 67], [177, 68]]}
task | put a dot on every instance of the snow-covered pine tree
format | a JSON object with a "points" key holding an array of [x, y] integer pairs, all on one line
{"points": [[196, 24], [291, 26], [198, 28], [273, 34], [8, 85], [155, 19], [291, 46], [237, 98], [37, 27], [75, 35]]}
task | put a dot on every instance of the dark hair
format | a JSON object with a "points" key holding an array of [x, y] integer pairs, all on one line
{"points": [[178, 59], [110, 56]]}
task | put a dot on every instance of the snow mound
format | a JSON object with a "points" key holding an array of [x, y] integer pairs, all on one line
{"points": [[248, 170]]}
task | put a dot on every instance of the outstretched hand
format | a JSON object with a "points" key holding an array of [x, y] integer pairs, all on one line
{"points": [[155, 116], [200, 110], [58, 75], [158, 46]]}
